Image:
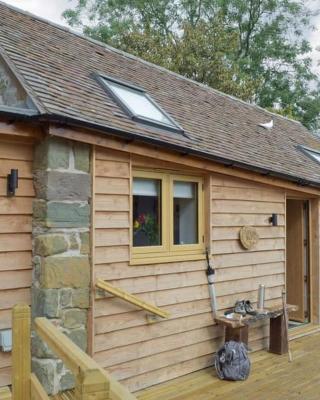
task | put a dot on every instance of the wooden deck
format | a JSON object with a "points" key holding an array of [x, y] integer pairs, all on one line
{"points": [[272, 377]]}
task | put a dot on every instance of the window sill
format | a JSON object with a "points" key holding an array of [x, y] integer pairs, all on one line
{"points": [[166, 259]]}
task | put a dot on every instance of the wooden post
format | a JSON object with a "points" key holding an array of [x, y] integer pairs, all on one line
{"points": [[92, 384], [21, 357], [5, 393]]}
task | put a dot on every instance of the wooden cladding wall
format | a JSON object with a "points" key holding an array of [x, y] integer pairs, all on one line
{"points": [[239, 272], [15, 238], [141, 355]]}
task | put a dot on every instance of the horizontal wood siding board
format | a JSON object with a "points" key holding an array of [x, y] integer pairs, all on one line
{"points": [[247, 258], [112, 219], [111, 203], [110, 323], [15, 224], [15, 279], [112, 169], [14, 242], [16, 205], [25, 188], [24, 167], [231, 233], [234, 246], [161, 282], [15, 260], [12, 151], [112, 186], [257, 195], [246, 207], [111, 237], [239, 219], [120, 270]]}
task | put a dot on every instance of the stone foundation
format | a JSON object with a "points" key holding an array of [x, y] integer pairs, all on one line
{"points": [[61, 259]]}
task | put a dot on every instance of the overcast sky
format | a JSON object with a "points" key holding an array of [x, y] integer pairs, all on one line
{"points": [[52, 10]]}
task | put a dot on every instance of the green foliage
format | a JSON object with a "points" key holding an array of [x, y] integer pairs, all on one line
{"points": [[252, 49]]}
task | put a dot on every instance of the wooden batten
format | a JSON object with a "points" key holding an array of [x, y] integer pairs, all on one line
{"points": [[23, 132]]}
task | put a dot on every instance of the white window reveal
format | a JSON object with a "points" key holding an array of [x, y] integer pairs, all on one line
{"points": [[138, 104]]}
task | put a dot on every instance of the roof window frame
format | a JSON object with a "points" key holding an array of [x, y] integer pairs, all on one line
{"points": [[308, 152], [103, 80]]}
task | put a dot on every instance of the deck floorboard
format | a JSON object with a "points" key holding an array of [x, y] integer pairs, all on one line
{"points": [[272, 377]]}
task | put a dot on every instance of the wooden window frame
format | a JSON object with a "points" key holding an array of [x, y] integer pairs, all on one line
{"points": [[168, 251]]}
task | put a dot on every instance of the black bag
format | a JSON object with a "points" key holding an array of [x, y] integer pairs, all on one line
{"points": [[232, 362]]}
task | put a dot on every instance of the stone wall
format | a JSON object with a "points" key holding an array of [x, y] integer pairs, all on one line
{"points": [[61, 251]]}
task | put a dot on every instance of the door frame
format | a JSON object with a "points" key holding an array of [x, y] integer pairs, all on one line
{"points": [[314, 256]]}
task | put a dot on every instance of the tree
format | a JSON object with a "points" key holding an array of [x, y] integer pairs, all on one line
{"points": [[252, 49]]}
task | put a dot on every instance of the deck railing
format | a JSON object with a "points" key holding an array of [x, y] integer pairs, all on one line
{"points": [[91, 381]]}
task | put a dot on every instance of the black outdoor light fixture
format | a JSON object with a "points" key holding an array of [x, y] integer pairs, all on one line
{"points": [[274, 220], [12, 182]]}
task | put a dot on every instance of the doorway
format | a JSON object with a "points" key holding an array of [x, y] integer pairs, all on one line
{"points": [[298, 260]]}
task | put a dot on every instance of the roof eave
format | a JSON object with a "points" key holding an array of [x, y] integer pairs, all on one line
{"points": [[75, 122]]}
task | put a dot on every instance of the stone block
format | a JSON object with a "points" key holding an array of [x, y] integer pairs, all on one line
{"points": [[74, 318], [82, 157], [74, 241], [79, 337], [56, 214], [40, 349], [78, 298], [52, 153], [85, 243], [59, 272], [62, 185], [47, 245], [67, 381], [45, 370], [45, 302]]}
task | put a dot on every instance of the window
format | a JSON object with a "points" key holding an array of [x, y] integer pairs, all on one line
{"points": [[314, 154], [167, 217], [139, 105]]}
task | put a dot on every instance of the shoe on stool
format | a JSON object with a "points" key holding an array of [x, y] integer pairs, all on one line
{"points": [[239, 307]]}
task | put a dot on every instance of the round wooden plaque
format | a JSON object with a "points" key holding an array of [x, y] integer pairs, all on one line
{"points": [[248, 237]]}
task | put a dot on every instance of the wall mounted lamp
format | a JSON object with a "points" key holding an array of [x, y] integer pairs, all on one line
{"points": [[12, 182], [274, 220]]}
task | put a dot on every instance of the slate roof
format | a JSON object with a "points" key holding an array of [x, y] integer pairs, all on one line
{"points": [[56, 67]]}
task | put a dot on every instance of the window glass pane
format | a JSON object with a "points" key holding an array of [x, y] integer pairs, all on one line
{"points": [[138, 103], [185, 211], [146, 212]]}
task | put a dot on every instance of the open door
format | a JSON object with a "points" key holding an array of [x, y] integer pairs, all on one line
{"points": [[297, 274]]}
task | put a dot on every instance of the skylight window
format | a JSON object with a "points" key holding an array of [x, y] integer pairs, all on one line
{"points": [[314, 154], [139, 105]]}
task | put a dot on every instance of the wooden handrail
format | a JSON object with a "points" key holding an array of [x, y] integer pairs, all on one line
{"points": [[87, 372], [92, 381], [63, 347], [37, 391], [130, 298]]}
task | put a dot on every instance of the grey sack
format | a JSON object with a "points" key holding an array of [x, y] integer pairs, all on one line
{"points": [[232, 362]]}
